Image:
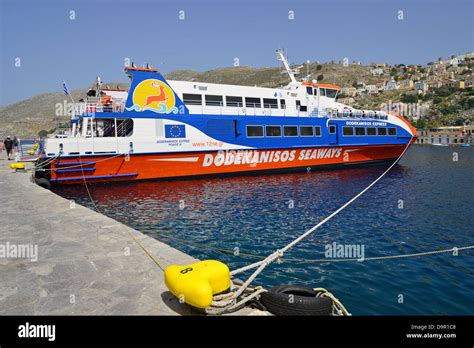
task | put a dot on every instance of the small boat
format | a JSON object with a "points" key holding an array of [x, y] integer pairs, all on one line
{"points": [[163, 129], [466, 145], [439, 144]]}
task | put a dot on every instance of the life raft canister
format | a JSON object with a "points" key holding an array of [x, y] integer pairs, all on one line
{"points": [[196, 283]]}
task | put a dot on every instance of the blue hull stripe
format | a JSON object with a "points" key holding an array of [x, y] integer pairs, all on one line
{"points": [[96, 177], [65, 164], [74, 170]]}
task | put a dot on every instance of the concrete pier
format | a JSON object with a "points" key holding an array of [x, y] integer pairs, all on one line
{"points": [[86, 262]]}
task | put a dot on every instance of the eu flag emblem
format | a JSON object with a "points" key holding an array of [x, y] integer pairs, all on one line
{"points": [[175, 131]]}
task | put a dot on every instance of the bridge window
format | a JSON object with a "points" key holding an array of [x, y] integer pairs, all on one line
{"points": [[331, 93], [347, 131], [322, 92], [234, 101], [382, 131], [317, 131], [192, 99], [253, 102], [255, 131], [309, 90], [360, 131], [332, 129], [282, 103], [290, 131], [124, 127], [371, 131], [270, 103], [392, 131], [273, 131], [214, 100], [306, 131]]}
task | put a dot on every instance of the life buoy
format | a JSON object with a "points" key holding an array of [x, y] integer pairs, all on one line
{"points": [[295, 300]]}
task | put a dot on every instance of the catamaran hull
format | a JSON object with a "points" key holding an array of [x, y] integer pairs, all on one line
{"points": [[104, 168]]}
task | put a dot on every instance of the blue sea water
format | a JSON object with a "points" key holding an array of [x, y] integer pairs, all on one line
{"points": [[424, 203]]}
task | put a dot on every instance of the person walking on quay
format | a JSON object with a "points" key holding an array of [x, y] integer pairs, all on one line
{"points": [[8, 142], [15, 143]]}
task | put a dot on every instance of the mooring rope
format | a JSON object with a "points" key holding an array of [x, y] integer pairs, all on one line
{"points": [[289, 259], [226, 302], [75, 166], [128, 229]]}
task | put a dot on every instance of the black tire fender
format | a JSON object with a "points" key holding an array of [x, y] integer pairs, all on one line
{"points": [[295, 300], [44, 183]]}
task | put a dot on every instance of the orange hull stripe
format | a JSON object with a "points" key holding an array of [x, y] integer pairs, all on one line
{"points": [[155, 166]]}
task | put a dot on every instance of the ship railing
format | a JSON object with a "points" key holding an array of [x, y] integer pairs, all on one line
{"points": [[93, 106]]}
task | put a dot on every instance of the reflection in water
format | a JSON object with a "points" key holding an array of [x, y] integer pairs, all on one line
{"points": [[258, 214]]}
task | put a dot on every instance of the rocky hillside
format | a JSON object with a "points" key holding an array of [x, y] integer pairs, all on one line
{"points": [[26, 118]]}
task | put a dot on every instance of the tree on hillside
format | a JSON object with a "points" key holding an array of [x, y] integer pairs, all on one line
{"points": [[319, 67]]}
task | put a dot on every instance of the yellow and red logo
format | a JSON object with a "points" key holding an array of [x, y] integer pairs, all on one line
{"points": [[154, 95]]}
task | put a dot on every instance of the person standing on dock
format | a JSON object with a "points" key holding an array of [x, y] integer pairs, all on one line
{"points": [[8, 142], [15, 143]]}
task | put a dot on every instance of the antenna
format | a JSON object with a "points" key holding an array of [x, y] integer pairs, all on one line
{"points": [[281, 57]]}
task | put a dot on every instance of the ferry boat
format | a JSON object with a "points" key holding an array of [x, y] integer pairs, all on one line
{"points": [[163, 129]]}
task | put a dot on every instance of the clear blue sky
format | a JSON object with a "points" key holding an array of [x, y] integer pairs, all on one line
{"points": [[52, 47]]}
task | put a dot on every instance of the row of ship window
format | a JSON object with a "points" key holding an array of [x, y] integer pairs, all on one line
{"points": [[232, 101], [311, 131]]}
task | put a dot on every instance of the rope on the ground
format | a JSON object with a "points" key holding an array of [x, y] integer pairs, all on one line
{"points": [[337, 307], [224, 304]]}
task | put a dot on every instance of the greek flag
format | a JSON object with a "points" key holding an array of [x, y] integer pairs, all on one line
{"points": [[66, 91]]}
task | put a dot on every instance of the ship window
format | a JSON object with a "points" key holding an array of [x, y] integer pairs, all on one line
{"points": [[309, 90], [332, 129], [282, 103], [382, 131], [192, 99], [322, 92], [270, 103], [124, 127], [360, 131], [371, 131], [253, 102], [306, 131], [392, 131], [254, 131], [317, 131], [234, 101], [290, 131], [273, 131], [214, 100], [300, 107], [104, 127], [347, 131], [331, 93]]}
